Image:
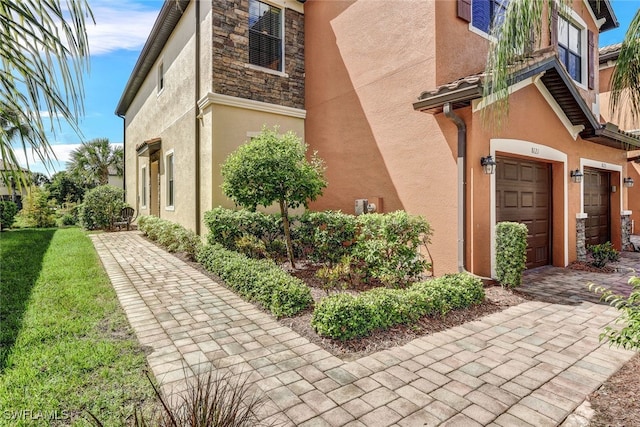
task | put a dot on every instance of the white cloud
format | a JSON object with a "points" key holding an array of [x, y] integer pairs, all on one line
{"points": [[62, 152], [119, 25]]}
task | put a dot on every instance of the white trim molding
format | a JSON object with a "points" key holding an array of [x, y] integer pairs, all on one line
{"points": [[626, 213], [537, 152], [213, 98]]}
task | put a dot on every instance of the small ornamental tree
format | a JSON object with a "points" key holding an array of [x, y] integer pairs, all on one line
{"points": [[273, 168]]}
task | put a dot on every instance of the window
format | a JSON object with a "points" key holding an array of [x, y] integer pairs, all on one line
{"points": [[265, 35], [169, 172], [570, 47], [143, 182], [160, 77], [487, 12]]}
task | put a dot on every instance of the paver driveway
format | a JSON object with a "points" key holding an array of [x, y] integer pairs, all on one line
{"points": [[531, 364]]}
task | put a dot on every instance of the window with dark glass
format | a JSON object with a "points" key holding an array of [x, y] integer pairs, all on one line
{"points": [[487, 12], [569, 48], [170, 193], [265, 35]]}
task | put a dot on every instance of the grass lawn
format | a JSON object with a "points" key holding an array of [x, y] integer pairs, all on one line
{"points": [[65, 345]]}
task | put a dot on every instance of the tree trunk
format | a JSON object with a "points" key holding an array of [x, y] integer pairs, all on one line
{"points": [[284, 211]]}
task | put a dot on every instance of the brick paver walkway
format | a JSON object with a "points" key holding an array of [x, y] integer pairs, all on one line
{"points": [[531, 364]]}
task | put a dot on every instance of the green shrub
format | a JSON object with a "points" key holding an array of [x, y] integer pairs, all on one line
{"points": [[8, 211], [37, 209], [101, 207], [511, 252], [337, 277], [173, 237], [389, 245], [227, 227], [260, 281], [346, 316], [326, 236], [628, 336], [603, 254]]}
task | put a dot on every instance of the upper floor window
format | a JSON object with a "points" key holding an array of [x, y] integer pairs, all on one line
{"points": [[484, 13], [160, 77], [570, 47], [265, 35]]}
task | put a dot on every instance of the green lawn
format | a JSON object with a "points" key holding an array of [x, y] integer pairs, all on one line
{"points": [[65, 345]]}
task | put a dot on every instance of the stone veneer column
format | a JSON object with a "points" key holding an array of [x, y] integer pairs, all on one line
{"points": [[581, 247], [626, 231]]}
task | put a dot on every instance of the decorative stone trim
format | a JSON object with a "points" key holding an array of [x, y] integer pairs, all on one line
{"points": [[581, 246], [626, 231]]}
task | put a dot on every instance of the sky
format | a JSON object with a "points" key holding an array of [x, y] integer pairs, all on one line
{"points": [[115, 41]]}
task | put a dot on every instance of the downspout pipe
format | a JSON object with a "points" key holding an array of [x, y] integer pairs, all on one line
{"points": [[197, 119], [462, 183]]}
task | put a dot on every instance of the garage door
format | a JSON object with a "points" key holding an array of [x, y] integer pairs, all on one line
{"points": [[523, 192], [597, 206]]}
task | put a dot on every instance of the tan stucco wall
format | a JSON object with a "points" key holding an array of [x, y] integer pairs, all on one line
{"points": [[231, 127], [361, 83], [169, 115]]}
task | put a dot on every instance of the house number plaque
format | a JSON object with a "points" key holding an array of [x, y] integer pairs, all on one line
{"points": [[535, 150]]}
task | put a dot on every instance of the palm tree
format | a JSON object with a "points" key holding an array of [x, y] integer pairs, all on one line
{"points": [[44, 52], [512, 42], [92, 161]]}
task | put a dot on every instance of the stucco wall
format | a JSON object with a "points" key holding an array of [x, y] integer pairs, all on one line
{"points": [[361, 83], [535, 124], [169, 115]]}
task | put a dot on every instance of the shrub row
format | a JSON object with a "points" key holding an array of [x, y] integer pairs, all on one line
{"points": [[8, 211], [173, 237], [382, 246], [346, 316], [260, 281]]}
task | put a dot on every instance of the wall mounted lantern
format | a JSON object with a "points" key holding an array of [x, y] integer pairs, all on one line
{"points": [[628, 182], [488, 165], [576, 176]]}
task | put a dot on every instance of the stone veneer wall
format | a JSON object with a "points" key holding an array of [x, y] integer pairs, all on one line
{"points": [[581, 246], [232, 77], [626, 234]]}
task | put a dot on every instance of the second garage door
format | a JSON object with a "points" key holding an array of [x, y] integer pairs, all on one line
{"points": [[523, 192], [597, 184]]}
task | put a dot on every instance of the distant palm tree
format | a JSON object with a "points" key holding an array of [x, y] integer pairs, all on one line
{"points": [[44, 52], [93, 160], [512, 42]]}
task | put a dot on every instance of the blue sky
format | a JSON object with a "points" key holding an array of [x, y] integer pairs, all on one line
{"points": [[120, 32]]}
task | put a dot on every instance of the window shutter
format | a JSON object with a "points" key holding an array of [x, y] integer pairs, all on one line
{"points": [[481, 14], [591, 58], [464, 10], [554, 25]]}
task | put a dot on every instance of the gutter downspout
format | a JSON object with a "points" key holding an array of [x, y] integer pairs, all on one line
{"points": [[124, 159], [197, 118], [462, 183]]}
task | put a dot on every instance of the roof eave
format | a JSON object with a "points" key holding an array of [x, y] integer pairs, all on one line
{"points": [[433, 104], [603, 9], [168, 18]]}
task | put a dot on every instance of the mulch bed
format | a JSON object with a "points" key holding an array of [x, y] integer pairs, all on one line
{"points": [[617, 401], [585, 266]]}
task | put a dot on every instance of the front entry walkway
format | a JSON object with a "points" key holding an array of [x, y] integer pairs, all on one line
{"points": [[529, 365]]}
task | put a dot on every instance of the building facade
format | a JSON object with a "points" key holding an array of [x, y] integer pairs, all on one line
{"points": [[390, 96]]}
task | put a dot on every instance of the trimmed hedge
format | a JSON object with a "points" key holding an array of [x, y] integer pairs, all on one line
{"points": [[101, 207], [260, 281], [346, 316], [171, 236], [255, 234], [385, 247], [511, 252], [8, 211]]}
